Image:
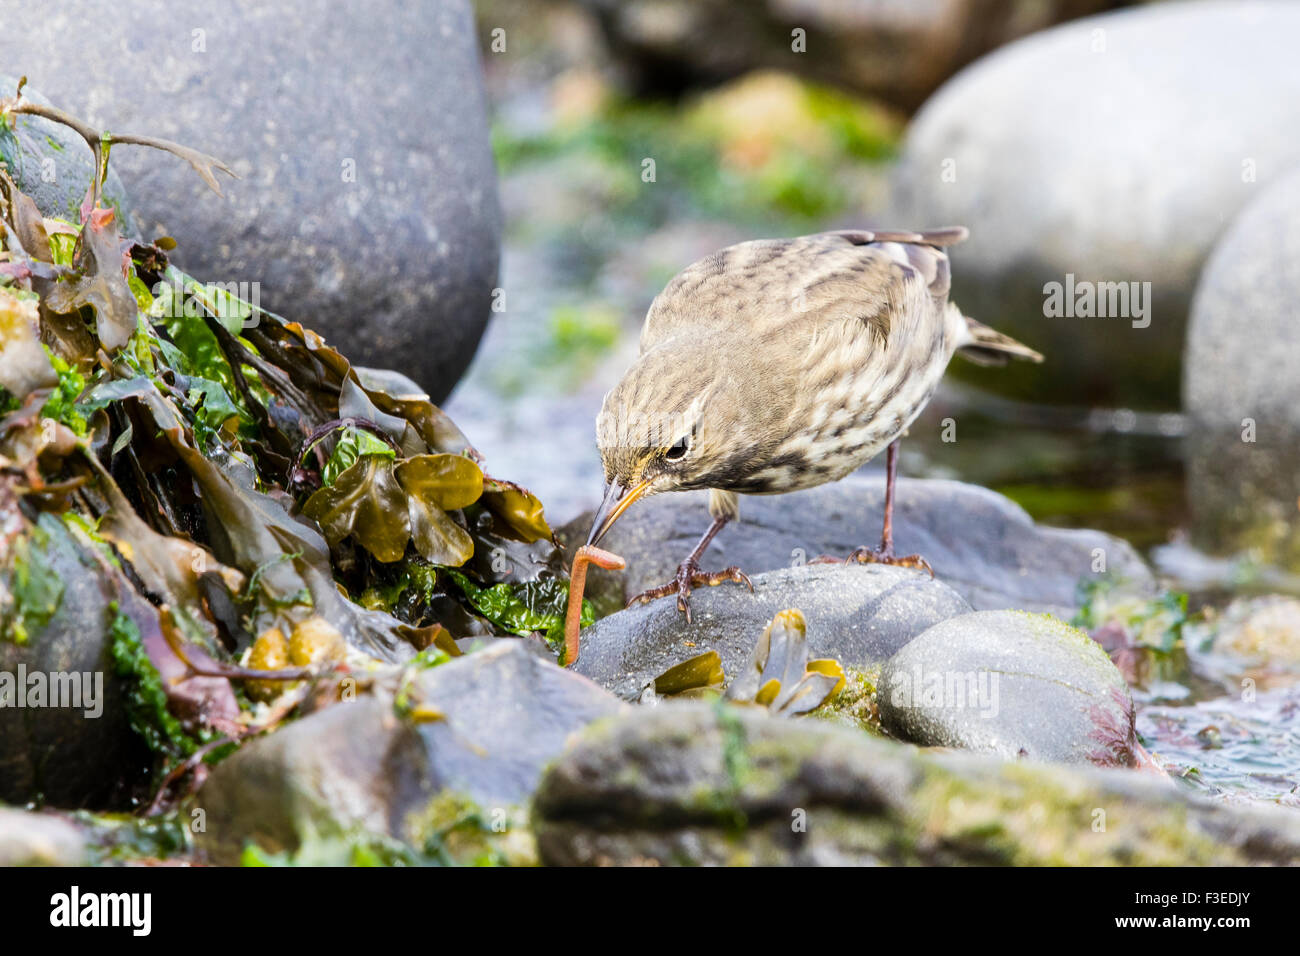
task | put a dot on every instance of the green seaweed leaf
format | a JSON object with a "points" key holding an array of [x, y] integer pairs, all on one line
{"points": [[34, 588], [365, 501], [62, 403], [213, 407], [525, 608], [384, 505], [518, 507], [353, 444], [146, 703], [436, 484]]}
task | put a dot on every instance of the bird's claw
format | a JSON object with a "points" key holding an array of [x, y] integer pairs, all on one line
{"points": [[688, 577], [866, 555], [887, 556]]}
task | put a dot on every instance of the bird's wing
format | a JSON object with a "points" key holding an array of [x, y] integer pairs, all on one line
{"points": [[856, 272], [923, 251], [942, 236]]}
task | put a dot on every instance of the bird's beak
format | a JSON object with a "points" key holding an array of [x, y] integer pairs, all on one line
{"points": [[617, 500]]}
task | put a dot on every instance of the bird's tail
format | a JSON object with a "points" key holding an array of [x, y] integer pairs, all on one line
{"points": [[985, 346]]}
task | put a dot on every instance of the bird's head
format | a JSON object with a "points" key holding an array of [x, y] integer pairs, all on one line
{"points": [[679, 420]]}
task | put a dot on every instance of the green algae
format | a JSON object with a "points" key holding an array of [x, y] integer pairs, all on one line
{"points": [[34, 589]]}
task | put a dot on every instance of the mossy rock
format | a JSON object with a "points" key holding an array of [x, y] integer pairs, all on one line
{"points": [[691, 783]]}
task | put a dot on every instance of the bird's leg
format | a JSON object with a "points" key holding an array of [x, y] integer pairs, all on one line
{"points": [[891, 476], [690, 576], [885, 553]]}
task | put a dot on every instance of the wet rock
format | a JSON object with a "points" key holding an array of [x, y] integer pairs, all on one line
{"points": [[1105, 150], [65, 737], [538, 648], [981, 544], [895, 52], [53, 165], [39, 839], [367, 201], [691, 783], [1241, 382], [859, 615], [1013, 684], [475, 732]]}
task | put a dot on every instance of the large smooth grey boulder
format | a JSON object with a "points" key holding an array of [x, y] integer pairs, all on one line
{"points": [[1113, 148], [859, 615], [367, 203], [981, 544], [1243, 343], [1012, 684], [1241, 382], [692, 784], [475, 731]]}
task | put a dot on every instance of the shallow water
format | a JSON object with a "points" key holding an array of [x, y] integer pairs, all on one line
{"points": [[1231, 748]]}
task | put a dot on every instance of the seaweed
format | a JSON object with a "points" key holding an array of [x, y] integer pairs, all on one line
{"points": [[146, 704], [779, 677], [32, 590], [1142, 634], [526, 608], [233, 477]]}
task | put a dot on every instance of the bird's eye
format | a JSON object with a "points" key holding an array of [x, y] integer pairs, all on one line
{"points": [[678, 449]]}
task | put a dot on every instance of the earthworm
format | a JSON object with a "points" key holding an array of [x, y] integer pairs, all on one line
{"points": [[587, 554]]}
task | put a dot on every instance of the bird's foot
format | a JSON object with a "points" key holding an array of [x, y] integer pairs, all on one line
{"points": [[883, 555], [690, 576], [887, 556]]}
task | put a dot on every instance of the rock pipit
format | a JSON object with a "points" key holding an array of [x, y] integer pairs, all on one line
{"points": [[781, 364]]}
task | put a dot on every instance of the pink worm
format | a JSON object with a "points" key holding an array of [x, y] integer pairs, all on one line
{"points": [[577, 584]]}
